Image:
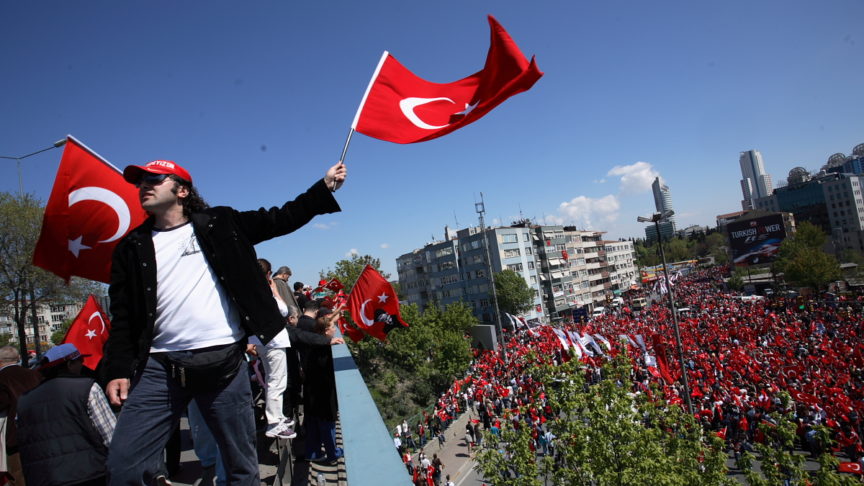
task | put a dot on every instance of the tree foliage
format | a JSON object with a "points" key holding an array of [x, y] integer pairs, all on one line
{"points": [[606, 435], [23, 285], [514, 295], [802, 260], [678, 249]]}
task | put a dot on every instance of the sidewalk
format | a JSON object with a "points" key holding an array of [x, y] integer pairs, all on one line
{"points": [[454, 454]]}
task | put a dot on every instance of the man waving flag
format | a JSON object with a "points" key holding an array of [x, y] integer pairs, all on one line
{"points": [[401, 107]]}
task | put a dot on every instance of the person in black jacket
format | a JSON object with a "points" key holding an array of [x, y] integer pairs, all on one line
{"points": [[65, 424], [185, 292], [320, 405]]}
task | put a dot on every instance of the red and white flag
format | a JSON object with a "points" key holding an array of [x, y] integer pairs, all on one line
{"points": [[374, 305], [90, 209], [401, 107], [849, 467], [89, 332]]}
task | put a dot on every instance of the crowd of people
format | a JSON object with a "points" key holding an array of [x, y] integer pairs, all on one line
{"points": [[739, 353]]}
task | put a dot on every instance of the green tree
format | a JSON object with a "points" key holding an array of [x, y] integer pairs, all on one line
{"points": [[607, 435], [58, 335], [736, 280], [23, 285], [514, 295], [715, 246], [802, 260]]}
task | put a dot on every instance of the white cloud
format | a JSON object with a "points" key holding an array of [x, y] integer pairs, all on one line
{"points": [[635, 178], [324, 226], [351, 252], [385, 245], [585, 211]]}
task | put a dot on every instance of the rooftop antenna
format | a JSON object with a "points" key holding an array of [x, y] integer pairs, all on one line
{"points": [[455, 218]]}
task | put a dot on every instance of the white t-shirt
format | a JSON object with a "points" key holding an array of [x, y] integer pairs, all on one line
{"points": [[193, 311]]}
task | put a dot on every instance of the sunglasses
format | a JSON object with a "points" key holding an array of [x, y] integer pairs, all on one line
{"points": [[151, 179]]}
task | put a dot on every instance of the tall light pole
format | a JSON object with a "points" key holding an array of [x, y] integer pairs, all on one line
{"points": [[58, 143], [656, 218], [480, 209]]}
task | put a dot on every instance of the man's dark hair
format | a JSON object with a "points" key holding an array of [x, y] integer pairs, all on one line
{"points": [[298, 286], [265, 265], [312, 305], [191, 203]]}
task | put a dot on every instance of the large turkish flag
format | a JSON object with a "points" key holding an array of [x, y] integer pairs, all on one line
{"points": [[404, 108], [90, 209]]}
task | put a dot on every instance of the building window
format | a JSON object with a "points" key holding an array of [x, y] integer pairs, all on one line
{"points": [[509, 238], [512, 253]]}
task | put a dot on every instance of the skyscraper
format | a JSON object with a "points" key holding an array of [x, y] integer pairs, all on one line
{"points": [[662, 202], [755, 183], [662, 197]]}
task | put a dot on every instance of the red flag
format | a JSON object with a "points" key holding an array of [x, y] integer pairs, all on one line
{"points": [[849, 467], [89, 331], [90, 209], [374, 306], [401, 107], [335, 285], [352, 332]]}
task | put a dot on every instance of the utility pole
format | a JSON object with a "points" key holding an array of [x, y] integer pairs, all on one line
{"points": [[480, 208]]}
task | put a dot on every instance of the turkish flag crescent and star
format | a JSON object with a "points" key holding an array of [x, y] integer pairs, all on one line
{"points": [[401, 107], [89, 332], [374, 306], [90, 209]]}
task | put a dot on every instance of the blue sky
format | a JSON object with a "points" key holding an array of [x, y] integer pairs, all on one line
{"points": [[256, 98]]}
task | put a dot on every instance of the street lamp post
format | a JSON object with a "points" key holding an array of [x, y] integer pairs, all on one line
{"points": [[656, 218], [480, 209], [58, 143]]}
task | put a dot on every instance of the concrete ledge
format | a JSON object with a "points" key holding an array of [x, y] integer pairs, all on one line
{"points": [[370, 456]]}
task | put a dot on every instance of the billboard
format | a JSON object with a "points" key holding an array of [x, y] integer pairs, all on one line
{"points": [[756, 240]]}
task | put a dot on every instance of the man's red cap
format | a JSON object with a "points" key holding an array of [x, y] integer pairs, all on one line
{"points": [[133, 173]]}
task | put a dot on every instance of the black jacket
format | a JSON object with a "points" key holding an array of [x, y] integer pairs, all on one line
{"points": [[226, 237], [59, 443]]}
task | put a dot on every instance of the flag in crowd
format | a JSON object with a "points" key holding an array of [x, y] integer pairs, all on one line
{"points": [[401, 107], [374, 305], [90, 209], [89, 331]]}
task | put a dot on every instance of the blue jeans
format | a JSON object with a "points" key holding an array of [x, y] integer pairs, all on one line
{"points": [[320, 432], [205, 444], [154, 407]]}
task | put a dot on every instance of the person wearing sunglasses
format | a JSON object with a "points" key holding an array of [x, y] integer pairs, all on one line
{"points": [[186, 291]]}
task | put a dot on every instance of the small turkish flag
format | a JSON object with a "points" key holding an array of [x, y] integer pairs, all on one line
{"points": [[401, 107], [90, 209], [374, 306], [849, 467], [89, 332], [335, 285], [347, 329]]}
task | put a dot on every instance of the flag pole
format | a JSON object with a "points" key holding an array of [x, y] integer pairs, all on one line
{"points": [[362, 104]]}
